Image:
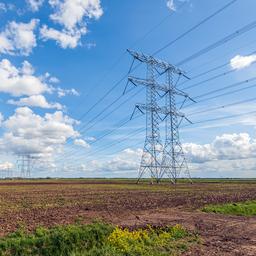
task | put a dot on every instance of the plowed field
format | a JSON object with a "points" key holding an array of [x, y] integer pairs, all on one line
{"points": [[50, 202]]}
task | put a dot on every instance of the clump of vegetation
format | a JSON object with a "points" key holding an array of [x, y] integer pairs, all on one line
{"points": [[241, 209], [97, 239], [150, 241]]}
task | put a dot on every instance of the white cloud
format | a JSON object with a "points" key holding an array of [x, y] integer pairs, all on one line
{"points": [[40, 136], [125, 161], [1, 119], [35, 101], [82, 143], [23, 81], [240, 62], [18, 38], [70, 13], [198, 153], [54, 80], [6, 166], [20, 81], [171, 5], [3, 7], [5, 44], [6, 7], [90, 138], [90, 45], [64, 38], [63, 92], [35, 4], [224, 147]]}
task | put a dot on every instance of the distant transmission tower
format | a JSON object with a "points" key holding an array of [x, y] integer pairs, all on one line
{"points": [[159, 159], [25, 163]]}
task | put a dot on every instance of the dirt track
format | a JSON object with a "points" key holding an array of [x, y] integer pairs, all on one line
{"points": [[48, 204]]}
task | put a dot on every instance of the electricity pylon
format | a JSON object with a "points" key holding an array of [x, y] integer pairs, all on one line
{"points": [[152, 152], [25, 164], [174, 160], [159, 159]]}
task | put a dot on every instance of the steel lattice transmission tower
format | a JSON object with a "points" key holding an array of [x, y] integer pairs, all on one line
{"points": [[174, 160], [159, 159], [25, 164]]}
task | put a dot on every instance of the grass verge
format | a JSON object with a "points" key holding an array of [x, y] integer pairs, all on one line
{"points": [[241, 209], [98, 239]]}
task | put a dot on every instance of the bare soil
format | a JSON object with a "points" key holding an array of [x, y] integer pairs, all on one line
{"points": [[33, 204]]}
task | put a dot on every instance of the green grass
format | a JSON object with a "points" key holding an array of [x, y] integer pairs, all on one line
{"points": [[241, 209], [97, 239]]}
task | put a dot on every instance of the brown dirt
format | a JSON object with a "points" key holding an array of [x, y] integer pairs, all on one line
{"points": [[40, 203]]}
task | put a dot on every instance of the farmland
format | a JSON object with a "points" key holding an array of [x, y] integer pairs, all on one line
{"points": [[47, 203]]}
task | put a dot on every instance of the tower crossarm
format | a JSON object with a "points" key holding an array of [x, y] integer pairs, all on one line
{"points": [[160, 110], [155, 62], [147, 82], [161, 87]]}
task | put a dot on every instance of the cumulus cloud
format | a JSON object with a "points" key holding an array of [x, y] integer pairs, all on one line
{"points": [[240, 62], [6, 7], [126, 161], [29, 133], [65, 39], [35, 101], [81, 143], [198, 153], [54, 80], [20, 81], [70, 15], [63, 92], [171, 5], [3, 7], [35, 4], [224, 147], [18, 38], [6, 166]]}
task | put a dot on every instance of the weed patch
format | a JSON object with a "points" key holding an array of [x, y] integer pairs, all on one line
{"points": [[97, 239], [241, 209]]}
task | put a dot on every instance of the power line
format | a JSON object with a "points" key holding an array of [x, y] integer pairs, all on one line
{"points": [[220, 42], [181, 36], [222, 107], [227, 93], [121, 57], [195, 27], [226, 87], [208, 120], [114, 152], [213, 78], [83, 131], [231, 104], [222, 89], [108, 114], [212, 69], [172, 42], [122, 139], [239, 32], [221, 118], [137, 131], [199, 96], [119, 125]]}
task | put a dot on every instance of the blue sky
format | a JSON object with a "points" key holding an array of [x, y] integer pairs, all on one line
{"points": [[58, 58]]}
